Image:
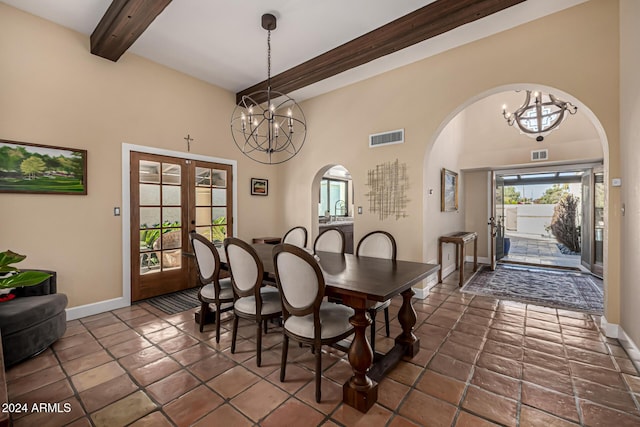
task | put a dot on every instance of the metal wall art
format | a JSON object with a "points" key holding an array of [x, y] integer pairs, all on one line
{"points": [[388, 184]]}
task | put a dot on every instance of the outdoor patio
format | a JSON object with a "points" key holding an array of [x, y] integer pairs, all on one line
{"points": [[539, 251]]}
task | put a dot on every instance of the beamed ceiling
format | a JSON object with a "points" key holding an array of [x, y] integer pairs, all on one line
{"points": [[317, 46]]}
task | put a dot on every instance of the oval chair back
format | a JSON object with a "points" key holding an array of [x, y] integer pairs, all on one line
{"points": [[296, 236], [207, 259], [377, 244], [330, 240], [245, 267], [300, 281]]}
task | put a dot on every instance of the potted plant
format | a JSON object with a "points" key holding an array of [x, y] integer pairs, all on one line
{"points": [[11, 277]]}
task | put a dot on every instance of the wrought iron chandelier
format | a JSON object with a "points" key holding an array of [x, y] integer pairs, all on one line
{"points": [[272, 131], [539, 116]]}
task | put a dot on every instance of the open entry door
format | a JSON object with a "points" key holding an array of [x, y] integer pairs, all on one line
{"points": [[496, 221], [592, 226]]}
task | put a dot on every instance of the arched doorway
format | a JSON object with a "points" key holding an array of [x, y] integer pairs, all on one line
{"points": [[332, 202], [476, 140]]}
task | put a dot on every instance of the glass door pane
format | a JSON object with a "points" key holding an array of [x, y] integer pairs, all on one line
{"points": [[212, 201], [160, 207]]}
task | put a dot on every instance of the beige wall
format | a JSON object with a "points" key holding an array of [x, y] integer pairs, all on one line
{"points": [[444, 154], [423, 96], [630, 153], [54, 92]]}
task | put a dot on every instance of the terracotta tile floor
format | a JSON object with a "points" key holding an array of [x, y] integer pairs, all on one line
{"points": [[483, 362]]}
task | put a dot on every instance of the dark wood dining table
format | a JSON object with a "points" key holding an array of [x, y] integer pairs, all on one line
{"points": [[360, 282]]}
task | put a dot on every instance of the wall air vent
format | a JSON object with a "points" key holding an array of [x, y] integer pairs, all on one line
{"points": [[386, 138], [537, 155]]}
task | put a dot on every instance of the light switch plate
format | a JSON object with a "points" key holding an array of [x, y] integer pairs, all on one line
{"points": [[616, 182], [359, 210], [116, 211]]}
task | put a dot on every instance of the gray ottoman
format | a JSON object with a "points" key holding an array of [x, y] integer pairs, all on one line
{"points": [[32, 321]]}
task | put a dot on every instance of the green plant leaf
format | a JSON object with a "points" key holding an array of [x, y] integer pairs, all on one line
{"points": [[9, 257], [26, 278]]}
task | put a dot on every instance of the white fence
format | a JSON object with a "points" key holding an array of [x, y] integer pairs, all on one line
{"points": [[529, 219]]}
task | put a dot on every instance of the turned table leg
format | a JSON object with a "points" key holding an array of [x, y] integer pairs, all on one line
{"points": [[360, 391], [407, 317]]}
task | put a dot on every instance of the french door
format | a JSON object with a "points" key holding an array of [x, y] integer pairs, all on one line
{"points": [[170, 197]]}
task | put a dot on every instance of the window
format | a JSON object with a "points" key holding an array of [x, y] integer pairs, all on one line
{"points": [[333, 197]]}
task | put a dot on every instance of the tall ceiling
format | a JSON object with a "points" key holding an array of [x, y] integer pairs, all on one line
{"points": [[223, 43]]}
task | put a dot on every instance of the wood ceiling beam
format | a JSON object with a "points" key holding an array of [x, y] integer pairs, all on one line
{"points": [[427, 22], [122, 24]]}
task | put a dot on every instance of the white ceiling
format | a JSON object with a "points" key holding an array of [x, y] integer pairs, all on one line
{"points": [[222, 41]]}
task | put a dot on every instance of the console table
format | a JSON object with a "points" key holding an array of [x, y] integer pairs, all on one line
{"points": [[460, 239], [268, 240]]}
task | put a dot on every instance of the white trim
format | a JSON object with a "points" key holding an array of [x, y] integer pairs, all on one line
{"points": [[632, 349], [96, 308], [610, 330], [126, 206], [613, 330], [429, 282]]}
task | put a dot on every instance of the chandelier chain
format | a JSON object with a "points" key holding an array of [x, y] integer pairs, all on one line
{"points": [[269, 59]]}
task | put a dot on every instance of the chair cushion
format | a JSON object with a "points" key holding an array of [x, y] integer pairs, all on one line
{"points": [[226, 290], [334, 321], [381, 305], [271, 303]]}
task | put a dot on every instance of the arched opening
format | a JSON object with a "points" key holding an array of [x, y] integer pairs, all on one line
{"points": [[475, 141], [332, 202]]}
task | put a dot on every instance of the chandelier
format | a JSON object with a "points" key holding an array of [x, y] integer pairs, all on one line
{"points": [[539, 116], [272, 131]]}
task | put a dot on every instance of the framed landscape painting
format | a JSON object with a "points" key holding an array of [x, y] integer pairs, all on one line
{"points": [[43, 169], [259, 187], [449, 191]]}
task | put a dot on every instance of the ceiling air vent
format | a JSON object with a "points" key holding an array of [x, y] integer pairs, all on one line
{"points": [[537, 155], [386, 138]]}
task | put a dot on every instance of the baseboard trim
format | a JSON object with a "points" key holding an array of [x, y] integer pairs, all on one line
{"points": [[429, 282], [481, 259], [74, 313], [613, 330]]}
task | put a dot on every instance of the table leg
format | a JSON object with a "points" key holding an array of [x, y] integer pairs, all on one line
{"points": [[462, 264], [457, 254], [475, 254], [360, 391], [440, 261], [407, 317]]}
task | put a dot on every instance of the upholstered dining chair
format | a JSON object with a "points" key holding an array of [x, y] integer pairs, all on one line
{"points": [[306, 317], [296, 236], [378, 244], [252, 300], [330, 240], [214, 290]]}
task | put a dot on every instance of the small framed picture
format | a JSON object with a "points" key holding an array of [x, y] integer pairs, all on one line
{"points": [[259, 187], [449, 191]]}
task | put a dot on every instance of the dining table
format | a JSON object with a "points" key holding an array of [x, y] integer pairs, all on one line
{"points": [[359, 282]]}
